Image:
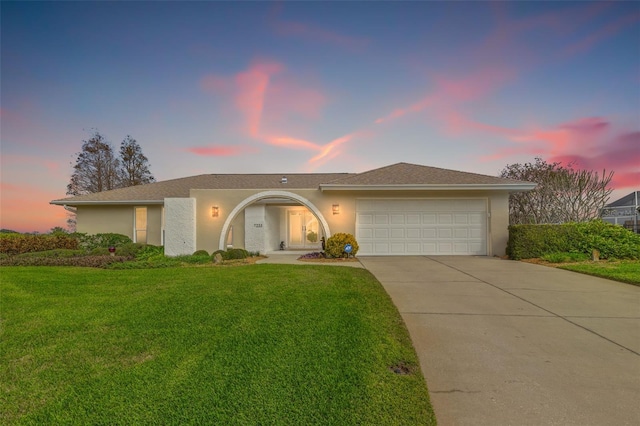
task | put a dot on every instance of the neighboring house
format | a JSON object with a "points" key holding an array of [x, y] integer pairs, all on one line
{"points": [[401, 209], [625, 212]]}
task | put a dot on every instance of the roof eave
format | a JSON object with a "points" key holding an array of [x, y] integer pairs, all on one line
{"points": [[102, 203], [431, 187]]}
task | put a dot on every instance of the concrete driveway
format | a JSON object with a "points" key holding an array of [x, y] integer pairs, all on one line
{"points": [[510, 343]]}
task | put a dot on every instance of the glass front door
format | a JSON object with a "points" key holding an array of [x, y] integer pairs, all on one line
{"points": [[303, 230]]}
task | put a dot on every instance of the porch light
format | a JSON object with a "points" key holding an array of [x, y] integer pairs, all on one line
{"points": [[335, 208], [215, 211]]}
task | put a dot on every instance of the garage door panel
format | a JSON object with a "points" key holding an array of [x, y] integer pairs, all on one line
{"points": [[413, 233], [461, 233], [413, 219], [461, 219], [429, 219], [445, 248], [445, 233], [365, 219], [381, 233], [381, 248], [397, 233], [366, 233], [414, 248], [381, 219], [397, 219], [429, 233], [421, 226], [398, 248], [445, 218]]}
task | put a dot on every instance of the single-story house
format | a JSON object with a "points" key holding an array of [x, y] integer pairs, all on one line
{"points": [[624, 211], [401, 209]]}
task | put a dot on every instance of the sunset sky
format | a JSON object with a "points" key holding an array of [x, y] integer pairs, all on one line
{"points": [[284, 87]]}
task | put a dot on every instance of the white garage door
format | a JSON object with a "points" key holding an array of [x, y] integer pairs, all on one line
{"points": [[421, 226]]}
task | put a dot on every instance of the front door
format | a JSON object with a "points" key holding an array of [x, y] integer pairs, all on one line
{"points": [[303, 230]]}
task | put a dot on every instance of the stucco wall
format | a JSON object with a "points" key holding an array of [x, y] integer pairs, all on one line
{"points": [[180, 226], [119, 220], [255, 228], [104, 219], [208, 228]]}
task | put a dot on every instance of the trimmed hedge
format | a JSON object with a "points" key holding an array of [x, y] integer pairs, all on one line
{"points": [[13, 244], [612, 241]]}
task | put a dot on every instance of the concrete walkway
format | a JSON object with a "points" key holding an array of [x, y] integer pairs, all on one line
{"points": [[510, 343]]}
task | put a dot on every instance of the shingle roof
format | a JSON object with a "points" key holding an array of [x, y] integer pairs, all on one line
{"points": [[158, 191], [413, 174], [393, 176]]}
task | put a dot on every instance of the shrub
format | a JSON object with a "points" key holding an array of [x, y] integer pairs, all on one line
{"points": [[201, 253], [94, 241], [13, 244], [612, 241], [236, 253], [335, 244], [220, 252]]}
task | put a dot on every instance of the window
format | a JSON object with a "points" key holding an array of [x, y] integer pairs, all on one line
{"points": [[140, 231]]}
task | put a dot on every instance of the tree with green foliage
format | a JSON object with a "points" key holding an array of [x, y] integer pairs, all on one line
{"points": [[134, 165], [563, 194]]}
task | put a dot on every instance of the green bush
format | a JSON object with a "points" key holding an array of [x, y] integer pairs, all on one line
{"points": [[220, 252], [334, 247], [94, 241], [236, 253], [612, 241], [201, 253], [231, 254], [13, 244]]}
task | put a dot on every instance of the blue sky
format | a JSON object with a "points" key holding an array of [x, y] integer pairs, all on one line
{"points": [[283, 87]]}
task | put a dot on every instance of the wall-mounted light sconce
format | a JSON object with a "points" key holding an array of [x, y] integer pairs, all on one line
{"points": [[335, 208], [215, 211]]}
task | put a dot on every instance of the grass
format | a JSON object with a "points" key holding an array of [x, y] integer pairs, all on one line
{"points": [[260, 344], [626, 271]]}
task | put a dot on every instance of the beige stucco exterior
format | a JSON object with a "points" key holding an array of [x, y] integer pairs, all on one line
{"points": [[119, 219], [209, 228], [93, 219]]}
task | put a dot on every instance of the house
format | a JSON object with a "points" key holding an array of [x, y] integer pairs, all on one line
{"points": [[624, 211], [401, 209]]}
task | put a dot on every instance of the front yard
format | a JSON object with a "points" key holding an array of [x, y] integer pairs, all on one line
{"points": [[626, 271], [259, 344]]}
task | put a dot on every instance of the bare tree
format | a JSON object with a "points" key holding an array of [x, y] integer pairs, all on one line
{"points": [[563, 194], [134, 165], [96, 167]]}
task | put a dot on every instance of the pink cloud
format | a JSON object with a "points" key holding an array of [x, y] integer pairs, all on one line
{"points": [[290, 142], [586, 143], [222, 150]]}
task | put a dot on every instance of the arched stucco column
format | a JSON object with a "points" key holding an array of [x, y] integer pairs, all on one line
{"points": [[270, 194]]}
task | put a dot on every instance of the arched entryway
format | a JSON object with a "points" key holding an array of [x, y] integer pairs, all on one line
{"points": [[266, 195]]}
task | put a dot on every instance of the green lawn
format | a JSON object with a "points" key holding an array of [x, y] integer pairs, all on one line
{"points": [[259, 344], [627, 271]]}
